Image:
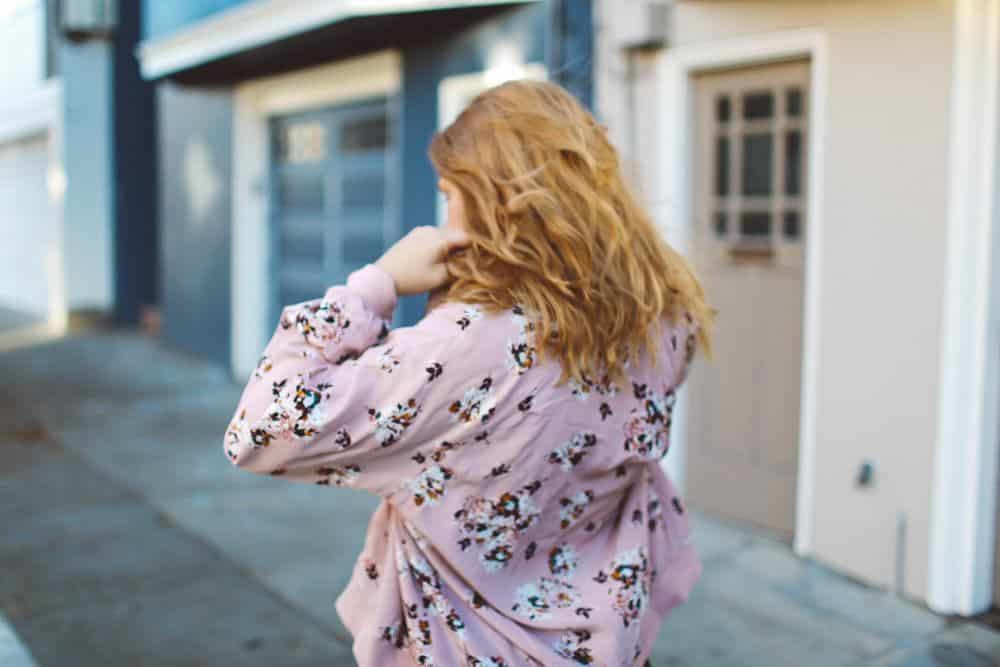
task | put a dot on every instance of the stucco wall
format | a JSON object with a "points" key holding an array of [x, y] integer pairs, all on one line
{"points": [[884, 198]]}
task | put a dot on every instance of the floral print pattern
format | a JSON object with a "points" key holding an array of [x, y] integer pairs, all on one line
{"points": [[429, 485], [572, 646], [496, 525], [477, 404], [319, 324], [629, 590], [572, 508], [296, 411], [647, 431], [521, 351], [520, 532], [391, 423], [571, 453]]}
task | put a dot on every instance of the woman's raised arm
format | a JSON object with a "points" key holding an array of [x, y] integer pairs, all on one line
{"points": [[335, 398]]}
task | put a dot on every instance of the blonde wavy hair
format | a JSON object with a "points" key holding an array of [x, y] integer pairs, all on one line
{"points": [[556, 231]]}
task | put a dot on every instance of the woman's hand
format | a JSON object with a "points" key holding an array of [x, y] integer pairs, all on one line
{"points": [[416, 261]]}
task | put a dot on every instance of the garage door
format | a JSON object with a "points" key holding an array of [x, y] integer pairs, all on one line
{"points": [[333, 196], [27, 227]]}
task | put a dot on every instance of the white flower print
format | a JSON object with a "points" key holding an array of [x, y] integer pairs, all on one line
{"points": [[433, 599], [478, 403], [571, 453], [469, 315], [574, 507], [388, 361], [321, 323], [264, 365], [582, 387], [342, 438], [521, 352], [482, 661], [392, 422], [536, 600], [628, 583], [296, 411], [338, 475], [654, 510], [240, 435], [395, 634], [647, 431], [531, 602], [570, 646], [429, 486], [563, 561], [496, 525]]}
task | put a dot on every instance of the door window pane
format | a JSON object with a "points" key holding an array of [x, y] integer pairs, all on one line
{"points": [[757, 164], [364, 134], [756, 226], [300, 188], [362, 248], [758, 106], [300, 142], [721, 224], [793, 102], [722, 108], [297, 249], [793, 162], [790, 225], [722, 166], [364, 189]]}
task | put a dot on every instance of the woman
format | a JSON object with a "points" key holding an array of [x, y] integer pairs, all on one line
{"points": [[515, 433]]}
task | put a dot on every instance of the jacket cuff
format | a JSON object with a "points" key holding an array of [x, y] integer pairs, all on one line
{"points": [[376, 289]]}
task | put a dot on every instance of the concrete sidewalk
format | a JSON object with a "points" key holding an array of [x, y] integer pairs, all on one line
{"points": [[129, 539]]}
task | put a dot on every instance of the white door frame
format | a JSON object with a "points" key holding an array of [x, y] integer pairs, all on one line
{"points": [[675, 74], [963, 501], [254, 103]]}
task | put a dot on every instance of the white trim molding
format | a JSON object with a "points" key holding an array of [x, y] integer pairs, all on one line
{"points": [[963, 511], [254, 103], [32, 112], [254, 24], [675, 71]]}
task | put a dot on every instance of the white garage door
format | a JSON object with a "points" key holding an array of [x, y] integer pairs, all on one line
{"points": [[27, 227]]}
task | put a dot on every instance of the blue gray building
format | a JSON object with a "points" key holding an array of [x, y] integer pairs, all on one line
{"points": [[292, 139], [77, 153]]}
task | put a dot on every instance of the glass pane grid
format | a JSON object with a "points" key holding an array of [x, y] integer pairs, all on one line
{"points": [[758, 167]]}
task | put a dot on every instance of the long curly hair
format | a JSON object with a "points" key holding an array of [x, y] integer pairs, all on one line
{"points": [[556, 231]]}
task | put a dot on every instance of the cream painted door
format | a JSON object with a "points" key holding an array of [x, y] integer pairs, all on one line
{"points": [[750, 222]]}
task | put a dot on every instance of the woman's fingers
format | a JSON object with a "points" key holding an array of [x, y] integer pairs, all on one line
{"points": [[454, 239], [417, 261]]}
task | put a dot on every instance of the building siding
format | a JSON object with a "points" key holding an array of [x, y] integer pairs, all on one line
{"points": [[195, 146]]}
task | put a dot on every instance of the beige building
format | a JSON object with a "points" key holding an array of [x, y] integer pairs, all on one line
{"points": [[831, 169]]}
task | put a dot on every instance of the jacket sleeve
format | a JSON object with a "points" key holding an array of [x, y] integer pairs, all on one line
{"points": [[335, 398]]}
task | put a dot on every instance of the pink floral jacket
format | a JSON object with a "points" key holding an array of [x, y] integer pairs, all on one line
{"points": [[522, 523]]}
